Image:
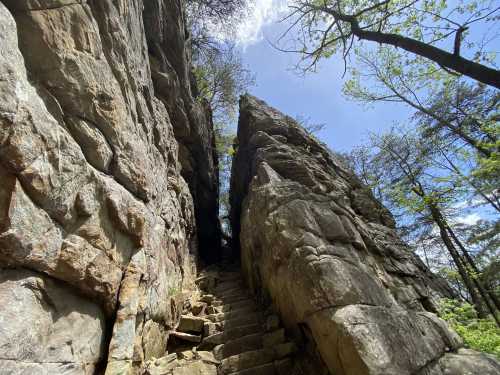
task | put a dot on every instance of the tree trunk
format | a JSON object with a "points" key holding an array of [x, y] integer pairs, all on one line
{"points": [[472, 264], [457, 259]]}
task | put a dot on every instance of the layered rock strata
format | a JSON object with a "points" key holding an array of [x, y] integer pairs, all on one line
{"points": [[316, 245], [97, 224]]}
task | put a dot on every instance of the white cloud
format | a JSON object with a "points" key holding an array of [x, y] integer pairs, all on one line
{"points": [[468, 219], [249, 31], [261, 14]]}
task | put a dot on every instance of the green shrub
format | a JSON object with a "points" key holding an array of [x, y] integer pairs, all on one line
{"points": [[478, 334]]}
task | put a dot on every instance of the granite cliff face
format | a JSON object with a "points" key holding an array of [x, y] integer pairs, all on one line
{"points": [[98, 227], [323, 252]]}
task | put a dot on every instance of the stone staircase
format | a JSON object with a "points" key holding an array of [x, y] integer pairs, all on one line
{"points": [[225, 332]]}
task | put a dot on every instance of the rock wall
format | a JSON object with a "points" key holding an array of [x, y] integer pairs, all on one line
{"points": [[98, 238], [316, 245], [175, 86]]}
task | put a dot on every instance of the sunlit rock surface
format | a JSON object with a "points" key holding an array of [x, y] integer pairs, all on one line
{"points": [[316, 245], [98, 235]]}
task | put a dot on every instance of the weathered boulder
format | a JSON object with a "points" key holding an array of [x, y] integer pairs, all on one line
{"points": [[317, 245], [97, 224], [46, 328]]}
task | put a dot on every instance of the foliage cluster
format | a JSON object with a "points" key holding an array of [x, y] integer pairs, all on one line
{"points": [[438, 31], [441, 167], [220, 75], [478, 334]]}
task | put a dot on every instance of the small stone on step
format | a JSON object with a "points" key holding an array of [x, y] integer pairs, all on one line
{"points": [[207, 357], [188, 355], [212, 310], [191, 324], [198, 308], [207, 298], [186, 336]]}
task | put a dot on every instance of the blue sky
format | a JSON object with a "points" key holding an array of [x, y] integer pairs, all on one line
{"points": [[317, 96]]}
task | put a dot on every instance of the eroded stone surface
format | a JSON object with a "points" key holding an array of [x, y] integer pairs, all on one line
{"points": [[323, 251], [45, 328], [191, 119], [93, 202]]}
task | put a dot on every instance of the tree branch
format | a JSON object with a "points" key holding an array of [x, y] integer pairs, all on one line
{"points": [[479, 72]]}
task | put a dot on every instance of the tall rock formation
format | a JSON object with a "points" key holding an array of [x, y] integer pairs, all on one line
{"points": [[109, 193], [316, 245], [98, 234], [191, 118]]}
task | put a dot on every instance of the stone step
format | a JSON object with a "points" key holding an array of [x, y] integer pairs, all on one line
{"points": [[228, 274], [240, 310], [230, 334], [245, 361], [250, 303], [267, 369], [186, 337], [241, 321], [224, 308], [191, 324], [254, 358], [284, 366], [241, 345], [232, 292], [234, 298], [235, 330], [227, 285], [232, 315], [271, 339], [221, 284], [249, 329]]}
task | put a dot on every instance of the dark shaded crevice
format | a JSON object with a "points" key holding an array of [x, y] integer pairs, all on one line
{"points": [[108, 331], [191, 118]]}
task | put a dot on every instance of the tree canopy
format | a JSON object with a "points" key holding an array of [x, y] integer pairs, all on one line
{"points": [[435, 30]]}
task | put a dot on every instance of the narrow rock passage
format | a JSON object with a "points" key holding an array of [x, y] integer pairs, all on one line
{"points": [[224, 331]]}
